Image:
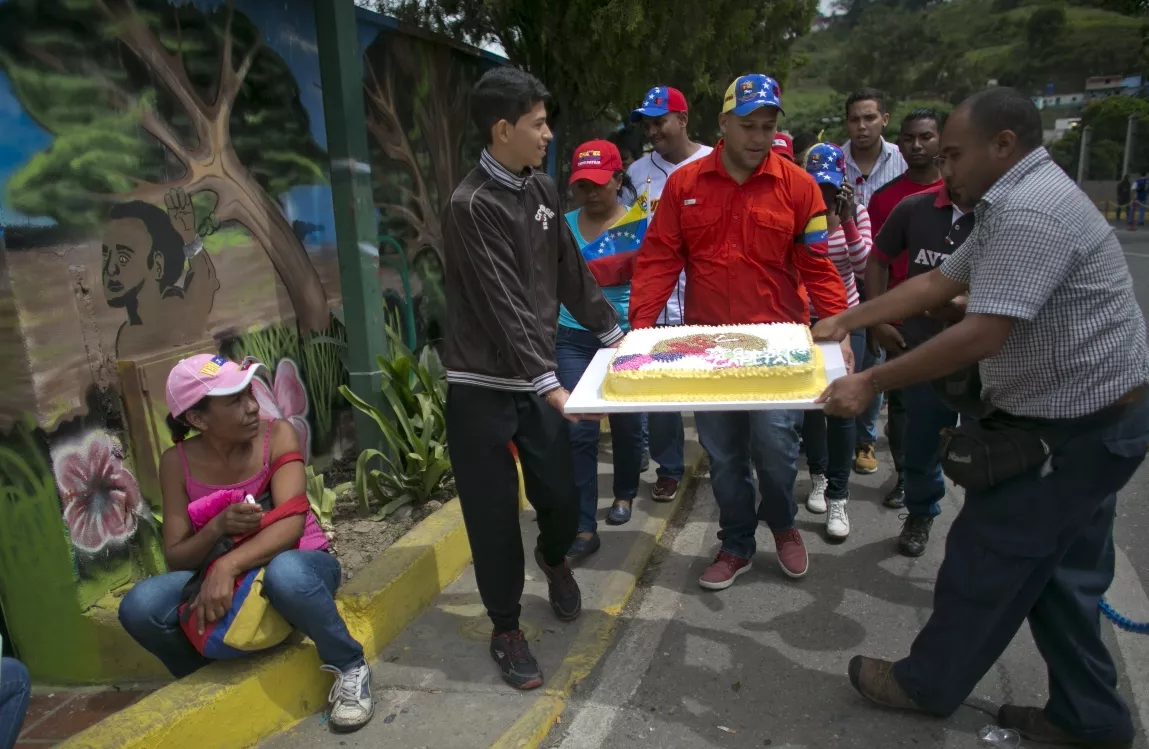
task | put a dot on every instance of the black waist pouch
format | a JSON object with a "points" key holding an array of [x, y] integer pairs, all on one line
{"points": [[983, 453]]}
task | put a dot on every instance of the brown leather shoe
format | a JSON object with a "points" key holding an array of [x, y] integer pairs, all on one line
{"points": [[1032, 724], [874, 680]]}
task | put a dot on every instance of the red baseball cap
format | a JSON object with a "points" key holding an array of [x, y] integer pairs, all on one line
{"points": [[783, 145], [596, 161], [660, 100]]}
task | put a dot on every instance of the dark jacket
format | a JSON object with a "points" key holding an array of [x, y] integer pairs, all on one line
{"points": [[511, 259]]}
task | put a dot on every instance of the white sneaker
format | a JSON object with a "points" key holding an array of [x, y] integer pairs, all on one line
{"points": [[349, 704], [837, 522], [816, 502]]}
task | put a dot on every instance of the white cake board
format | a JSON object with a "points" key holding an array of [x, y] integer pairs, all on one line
{"points": [[587, 396]]}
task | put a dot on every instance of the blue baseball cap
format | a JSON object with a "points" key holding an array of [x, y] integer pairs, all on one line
{"points": [[660, 100], [827, 164], [750, 92]]}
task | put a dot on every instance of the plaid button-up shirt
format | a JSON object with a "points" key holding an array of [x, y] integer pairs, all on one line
{"points": [[1043, 255]]}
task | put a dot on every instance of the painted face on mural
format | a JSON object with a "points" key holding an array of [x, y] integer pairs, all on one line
{"points": [[127, 247], [146, 272]]}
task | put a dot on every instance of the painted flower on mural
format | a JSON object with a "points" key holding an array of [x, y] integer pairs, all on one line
{"points": [[100, 496], [286, 398]]}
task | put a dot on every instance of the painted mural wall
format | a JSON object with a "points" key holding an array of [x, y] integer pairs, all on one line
{"points": [[164, 191]]}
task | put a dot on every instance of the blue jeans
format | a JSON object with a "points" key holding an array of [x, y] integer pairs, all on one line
{"points": [[666, 438], [300, 585], [926, 417], [867, 421], [1036, 547], [735, 440], [15, 689], [574, 350], [829, 442]]}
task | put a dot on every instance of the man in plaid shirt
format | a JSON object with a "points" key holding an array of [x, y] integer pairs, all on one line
{"points": [[1054, 327]]}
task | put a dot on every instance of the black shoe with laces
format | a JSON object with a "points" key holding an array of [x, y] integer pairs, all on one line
{"points": [[518, 666], [915, 535], [566, 599], [896, 498]]}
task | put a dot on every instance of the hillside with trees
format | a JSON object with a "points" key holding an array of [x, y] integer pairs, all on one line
{"points": [[927, 52]]}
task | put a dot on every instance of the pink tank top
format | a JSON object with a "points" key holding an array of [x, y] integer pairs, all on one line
{"points": [[313, 536]]}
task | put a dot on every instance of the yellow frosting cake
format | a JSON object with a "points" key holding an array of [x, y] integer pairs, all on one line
{"points": [[693, 363]]}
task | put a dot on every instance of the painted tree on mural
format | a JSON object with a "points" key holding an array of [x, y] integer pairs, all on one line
{"points": [[416, 99], [143, 96]]}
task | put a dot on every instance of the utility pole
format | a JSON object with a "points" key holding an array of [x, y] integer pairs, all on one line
{"points": [[1130, 130], [1083, 157], [356, 233]]}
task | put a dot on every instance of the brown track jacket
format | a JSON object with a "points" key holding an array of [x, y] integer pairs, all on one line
{"points": [[511, 260]]}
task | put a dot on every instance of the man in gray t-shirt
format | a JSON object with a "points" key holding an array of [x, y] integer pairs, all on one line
{"points": [[1052, 323]]}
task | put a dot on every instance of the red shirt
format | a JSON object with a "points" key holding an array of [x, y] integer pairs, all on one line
{"points": [[882, 204], [747, 249]]}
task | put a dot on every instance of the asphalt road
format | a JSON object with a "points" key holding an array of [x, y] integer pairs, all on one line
{"points": [[1132, 527]]}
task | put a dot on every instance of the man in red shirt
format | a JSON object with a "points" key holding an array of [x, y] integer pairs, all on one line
{"points": [[749, 227], [919, 143]]}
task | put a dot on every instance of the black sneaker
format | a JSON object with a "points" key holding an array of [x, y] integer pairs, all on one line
{"points": [[645, 464], [566, 599], [583, 547], [518, 666], [896, 499], [915, 535]]}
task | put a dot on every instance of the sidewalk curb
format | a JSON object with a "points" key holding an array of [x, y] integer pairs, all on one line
{"points": [[237, 703], [596, 633]]}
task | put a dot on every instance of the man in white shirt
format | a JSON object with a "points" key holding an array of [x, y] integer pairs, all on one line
{"points": [[871, 163], [871, 160], [664, 116]]}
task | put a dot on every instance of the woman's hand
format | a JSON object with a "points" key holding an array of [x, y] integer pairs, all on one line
{"points": [[239, 519], [215, 595]]}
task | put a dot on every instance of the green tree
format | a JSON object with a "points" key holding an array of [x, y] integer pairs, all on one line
{"points": [[598, 57], [142, 96], [1045, 27]]}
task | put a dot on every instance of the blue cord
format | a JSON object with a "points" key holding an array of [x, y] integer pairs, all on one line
{"points": [[1121, 621]]}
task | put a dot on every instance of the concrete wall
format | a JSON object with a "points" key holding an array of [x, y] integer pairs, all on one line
{"points": [[128, 131]]}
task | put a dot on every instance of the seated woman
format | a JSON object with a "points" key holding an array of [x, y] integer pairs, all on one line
{"points": [[15, 689], [601, 187], [235, 450]]}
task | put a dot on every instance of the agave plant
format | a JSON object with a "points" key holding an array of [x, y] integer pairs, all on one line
{"points": [[322, 501], [415, 464]]}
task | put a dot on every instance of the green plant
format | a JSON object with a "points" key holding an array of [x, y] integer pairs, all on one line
{"points": [[324, 370], [271, 344], [321, 499], [415, 464]]}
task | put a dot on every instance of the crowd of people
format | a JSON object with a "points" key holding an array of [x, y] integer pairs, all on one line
{"points": [[970, 285]]}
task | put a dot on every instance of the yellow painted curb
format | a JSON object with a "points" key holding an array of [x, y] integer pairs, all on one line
{"points": [[237, 703], [596, 633]]}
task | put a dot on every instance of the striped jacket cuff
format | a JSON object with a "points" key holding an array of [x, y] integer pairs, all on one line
{"points": [[545, 383], [612, 336]]}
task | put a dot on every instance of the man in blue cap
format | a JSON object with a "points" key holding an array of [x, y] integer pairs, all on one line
{"points": [[749, 227], [664, 117]]}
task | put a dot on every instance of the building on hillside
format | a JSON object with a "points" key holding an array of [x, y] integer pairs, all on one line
{"points": [[1061, 126], [1102, 86], [1052, 100]]}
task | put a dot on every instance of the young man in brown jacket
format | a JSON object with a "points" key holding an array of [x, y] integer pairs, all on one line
{"points": [[510, 261]]}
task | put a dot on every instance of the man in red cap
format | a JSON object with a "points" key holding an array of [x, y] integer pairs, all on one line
{"points": [[664, 117], [784, 146]]}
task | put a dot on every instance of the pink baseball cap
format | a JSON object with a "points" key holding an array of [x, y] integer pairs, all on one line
{"points": [[204, 375]]}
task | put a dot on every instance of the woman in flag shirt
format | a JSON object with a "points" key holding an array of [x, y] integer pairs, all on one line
{"points": [[599, 181]]}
